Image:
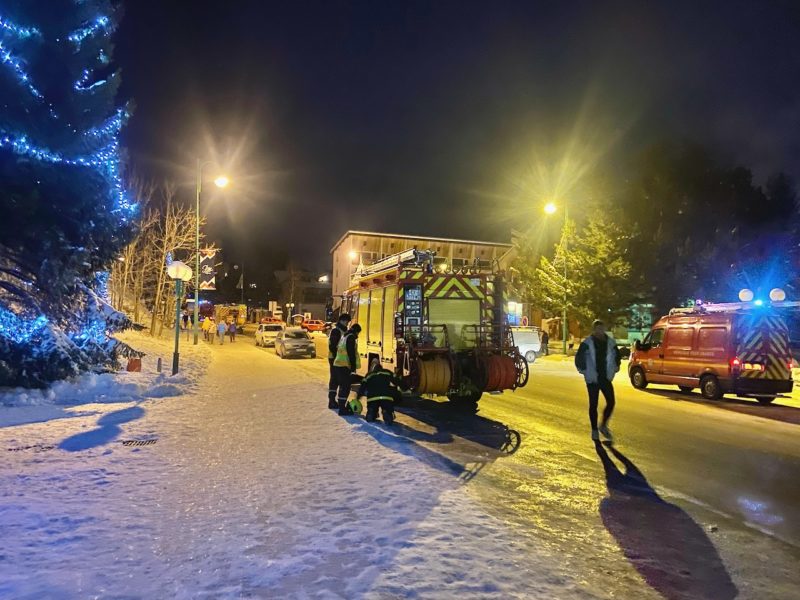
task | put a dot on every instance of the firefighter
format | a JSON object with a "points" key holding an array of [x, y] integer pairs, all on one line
{"points": [[334, 338], [382, 390], [346, 363]]}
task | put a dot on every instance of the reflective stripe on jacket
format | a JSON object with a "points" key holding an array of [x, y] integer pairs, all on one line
{"points": [[342, 358], [334, 338]]}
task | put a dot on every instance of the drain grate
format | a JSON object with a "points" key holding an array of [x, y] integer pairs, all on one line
{"points": [[138, 442], [35, 448]]}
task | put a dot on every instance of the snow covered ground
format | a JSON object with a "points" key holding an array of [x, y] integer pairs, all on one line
{"points": [[233, 480]]}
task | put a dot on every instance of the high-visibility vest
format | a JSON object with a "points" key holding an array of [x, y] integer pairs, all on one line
{"points": [[342, 360], [332, 353]]}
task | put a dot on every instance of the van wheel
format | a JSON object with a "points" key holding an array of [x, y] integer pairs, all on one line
{"points": [[765, 399], [685, 388], [638, 380], [709, 387], [530, 356]]}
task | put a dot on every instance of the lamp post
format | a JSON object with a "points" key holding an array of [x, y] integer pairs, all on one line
{"points": [[179, 272], [550, 208], [289, 311], [221, 181]]}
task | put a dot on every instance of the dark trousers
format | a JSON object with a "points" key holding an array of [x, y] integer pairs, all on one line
{"points": [[602, 385], [386, 407], [333, 384], [343, 386]]}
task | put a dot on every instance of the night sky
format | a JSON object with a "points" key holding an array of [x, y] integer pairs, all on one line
{"points": [[440, 118]]}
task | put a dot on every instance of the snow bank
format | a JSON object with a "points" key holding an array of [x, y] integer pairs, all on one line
{"points": [[25, 405]]}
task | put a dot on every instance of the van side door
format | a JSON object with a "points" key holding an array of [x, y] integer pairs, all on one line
{"points": [[677, 351], [652, 357]]}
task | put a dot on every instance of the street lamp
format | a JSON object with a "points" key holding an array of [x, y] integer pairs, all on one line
{"points": [[179, 272], [550, 208], [221, 181]]}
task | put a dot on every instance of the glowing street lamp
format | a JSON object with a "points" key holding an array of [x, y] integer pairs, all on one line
{"points": [[179, 272], [221, 181], [550, 208]]}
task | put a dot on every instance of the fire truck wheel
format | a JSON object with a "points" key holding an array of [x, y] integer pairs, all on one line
{"points": [[467, 403], [638, 380], [709, 387], [765, 399]]}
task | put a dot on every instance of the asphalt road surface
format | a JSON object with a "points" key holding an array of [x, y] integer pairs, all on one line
{"points": [[695, 499]]}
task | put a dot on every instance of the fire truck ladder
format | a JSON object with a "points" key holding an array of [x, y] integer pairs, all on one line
{"points": [[412, 257]]}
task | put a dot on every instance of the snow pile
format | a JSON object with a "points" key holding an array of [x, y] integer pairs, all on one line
{"points": [[19, 405]]}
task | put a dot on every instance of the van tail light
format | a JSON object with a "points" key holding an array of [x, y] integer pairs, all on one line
{"points": [[736, 364]]}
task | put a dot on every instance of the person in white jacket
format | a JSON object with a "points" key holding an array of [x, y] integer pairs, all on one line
{"points": [[598, 360]]}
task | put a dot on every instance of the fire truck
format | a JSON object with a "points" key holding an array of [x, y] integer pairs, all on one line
{"points": [[443, 332]]}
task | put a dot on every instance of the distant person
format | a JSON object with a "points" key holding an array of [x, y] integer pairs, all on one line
{"points": [[382, 390], [334, 337], [221, 329], [598, 360], [571, 342], [346, 362], [185, 319], [232, 331], [545, 342], [206, 326]]}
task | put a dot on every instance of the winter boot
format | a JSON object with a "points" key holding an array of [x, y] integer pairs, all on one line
{"points": [[595, 435], [332, 404], [388, 416], [606, 432], [344, 410], [372, 411]]}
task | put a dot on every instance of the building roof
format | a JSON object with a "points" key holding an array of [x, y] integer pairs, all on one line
{"points": [[417, 237]]}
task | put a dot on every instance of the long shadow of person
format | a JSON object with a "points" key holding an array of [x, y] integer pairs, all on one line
{"points": [[668, 549], [107, 430]]}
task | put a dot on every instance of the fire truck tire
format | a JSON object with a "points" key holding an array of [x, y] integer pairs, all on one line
{"points": [[710, 388], [638, 379], [764, 400]]}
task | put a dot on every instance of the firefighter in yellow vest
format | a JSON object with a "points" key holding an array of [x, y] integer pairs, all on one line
{"points": [[346, 363], [334, 337]]}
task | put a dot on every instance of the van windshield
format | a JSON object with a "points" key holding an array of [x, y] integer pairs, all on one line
{"points": [[272, 327]]}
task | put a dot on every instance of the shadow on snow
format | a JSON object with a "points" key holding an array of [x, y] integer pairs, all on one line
{"points": [[107, 431], [669, 550]]}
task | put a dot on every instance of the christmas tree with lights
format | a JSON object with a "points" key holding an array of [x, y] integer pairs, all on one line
{"points": [[65, 211]]}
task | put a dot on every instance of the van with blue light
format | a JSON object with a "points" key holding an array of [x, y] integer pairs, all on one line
{"points": [[739, 348]]}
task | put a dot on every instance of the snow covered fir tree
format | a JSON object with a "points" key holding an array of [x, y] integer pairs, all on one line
{"points": [[65, 211]]}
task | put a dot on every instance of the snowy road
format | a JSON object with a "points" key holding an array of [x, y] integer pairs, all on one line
{"points": [[253, 489]]}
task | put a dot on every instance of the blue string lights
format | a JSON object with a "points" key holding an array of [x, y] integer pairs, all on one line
{"points": [[19, 330], [11, 61], [7, 26], [101, 23]]}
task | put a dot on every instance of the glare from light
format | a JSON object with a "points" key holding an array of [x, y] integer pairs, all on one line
{"points": [[353, 255], [222, 181], [759, 302], [550, 208], [323, 279]]}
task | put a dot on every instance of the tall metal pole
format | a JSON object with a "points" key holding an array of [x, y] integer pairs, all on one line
{"points": [[564, 314], [178, 294], [196, 326]]}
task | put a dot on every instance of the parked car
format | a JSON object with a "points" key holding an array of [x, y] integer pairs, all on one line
{"points": [[740, 352], [267, 333], [529, 342], [295, 341], [313, 325]]}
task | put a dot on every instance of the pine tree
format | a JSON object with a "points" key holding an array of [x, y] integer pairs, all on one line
{"points": [[65, 211]]}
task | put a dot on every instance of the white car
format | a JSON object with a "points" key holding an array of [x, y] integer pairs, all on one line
{"points": [[267, 333], [529, 342]]}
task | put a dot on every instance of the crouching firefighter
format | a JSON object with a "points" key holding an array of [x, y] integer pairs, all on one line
{"points": [[333, 343], [346, 363], [382, 390]]}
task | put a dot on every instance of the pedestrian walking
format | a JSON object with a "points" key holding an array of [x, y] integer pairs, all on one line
{"points": [[334, 337], [206, 326], [346, 362], [221, 329], [545, 342], [598, 360], [185, 319], [232, 331], [382, 390]]}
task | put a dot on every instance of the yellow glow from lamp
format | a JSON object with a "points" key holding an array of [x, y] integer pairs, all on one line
{"points": [[550, 208]]}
